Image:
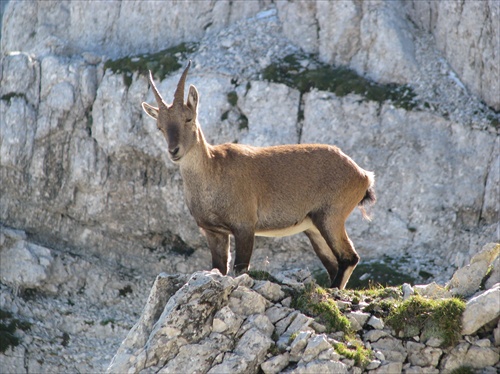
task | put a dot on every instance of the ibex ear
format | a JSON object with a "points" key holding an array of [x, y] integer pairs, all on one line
{"points": [[192, 100], [150, 110]]}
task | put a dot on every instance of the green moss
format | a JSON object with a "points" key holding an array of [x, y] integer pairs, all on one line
{"points": [[11, 95], [356, 352], [107, 321], [232, 98], [315, 302], [242, 122], [463, 370], [8, 327], [339, 80], [262, 275], [4, 314], [292, 337], [125, 290], [431, 318], [160, 63], [65, 339]]}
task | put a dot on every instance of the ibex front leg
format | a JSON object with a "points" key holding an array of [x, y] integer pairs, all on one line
{"points": [[219, 247], [243, 239]]}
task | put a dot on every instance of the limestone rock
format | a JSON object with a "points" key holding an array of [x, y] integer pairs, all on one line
{"points": [[246, 302], [481, 309], [264, 130], [269, 290], [421, 370], [494, 275], [183, 320], [472, 356], [392, 349], [461, 39], [467, 280], [275, 364], [100, 207], [226, 321], [420, 355], [407, 291], [376, 323], [23, 265], [432, 290], [389, 368], [298, 345], [358, 319], [119, 26], [321, 366], [496, 334], [315, 346]]}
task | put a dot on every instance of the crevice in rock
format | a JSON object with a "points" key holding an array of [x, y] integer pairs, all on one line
{"points": [[484, 184]]}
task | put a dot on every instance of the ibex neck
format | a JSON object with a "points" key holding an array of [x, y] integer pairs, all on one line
{"points": [[198, 157]]}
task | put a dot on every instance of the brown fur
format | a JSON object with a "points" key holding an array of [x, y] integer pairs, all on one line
{"points": [[244, 191]]}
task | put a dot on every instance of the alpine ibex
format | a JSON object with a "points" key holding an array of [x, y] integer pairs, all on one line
{"points": [[269, 191]]}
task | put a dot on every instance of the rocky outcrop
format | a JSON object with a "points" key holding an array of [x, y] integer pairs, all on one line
{"points": [[218, 324]]}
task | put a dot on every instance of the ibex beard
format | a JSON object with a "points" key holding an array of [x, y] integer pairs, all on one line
{"points": [[244, 191]]}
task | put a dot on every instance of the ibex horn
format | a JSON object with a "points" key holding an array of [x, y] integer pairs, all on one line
{"points": [[179, 92], [158, 97]]}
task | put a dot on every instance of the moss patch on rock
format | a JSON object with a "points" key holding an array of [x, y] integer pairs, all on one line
{"points": [[316, 302], [294, 71], [431, 318], [8, 327], [161, 63]]}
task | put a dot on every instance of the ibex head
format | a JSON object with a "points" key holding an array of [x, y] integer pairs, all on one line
{"points": [[177, 122]]}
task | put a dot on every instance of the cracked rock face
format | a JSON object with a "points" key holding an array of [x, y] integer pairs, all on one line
{"points": [[87, 168]]}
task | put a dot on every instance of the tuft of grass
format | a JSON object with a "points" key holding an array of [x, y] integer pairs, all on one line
{"points": [[339, 80], [432, 318], [356, 352], [161, 63], [315, 301]]}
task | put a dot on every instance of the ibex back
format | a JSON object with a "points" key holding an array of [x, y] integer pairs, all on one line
{"points": [[244, 191]]}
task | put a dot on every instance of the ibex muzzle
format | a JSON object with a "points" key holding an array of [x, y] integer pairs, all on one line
{"points": [[245, 191]]}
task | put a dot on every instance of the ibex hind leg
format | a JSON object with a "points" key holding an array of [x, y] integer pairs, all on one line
{"points": [[324, 252], [219, 247], [333, 232]]}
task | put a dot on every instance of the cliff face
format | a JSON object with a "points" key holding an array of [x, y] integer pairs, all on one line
{"points": [[84, 175], [83, 168]]}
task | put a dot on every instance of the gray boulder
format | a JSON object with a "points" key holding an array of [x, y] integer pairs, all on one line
{"points": [[481, 309]]}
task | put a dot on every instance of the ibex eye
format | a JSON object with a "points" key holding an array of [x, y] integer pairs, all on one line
{"points": [[189, 120]]}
